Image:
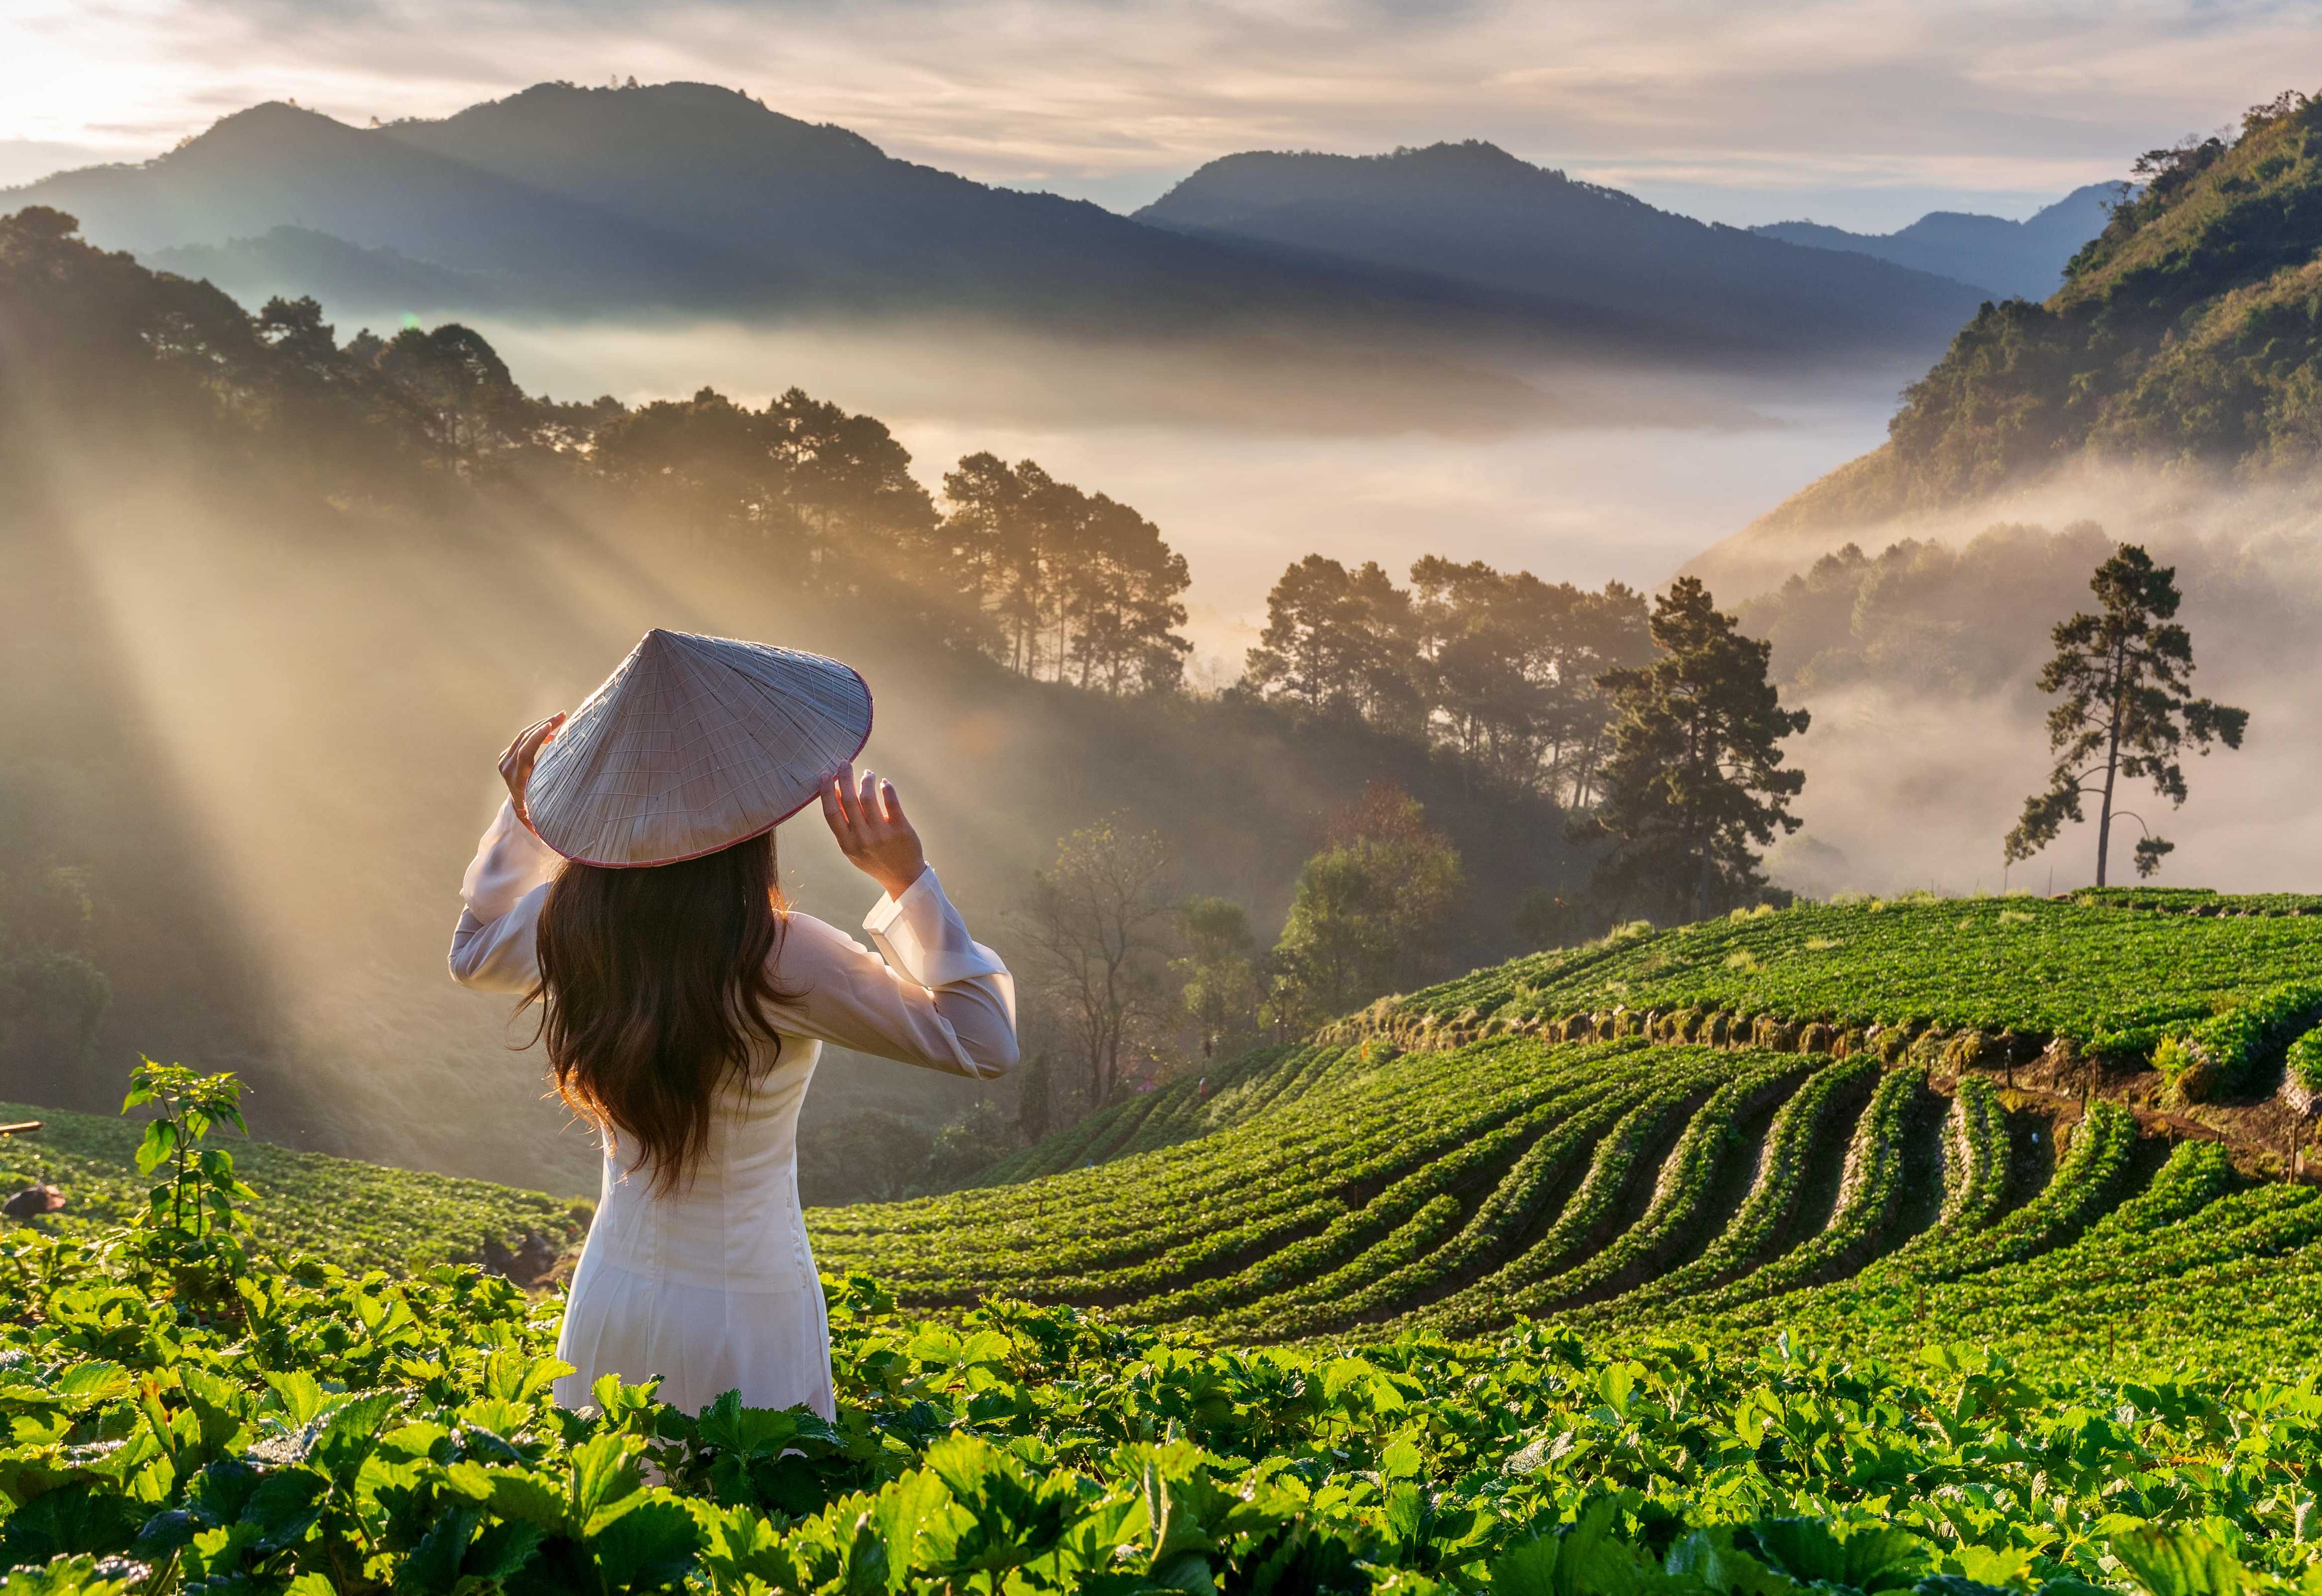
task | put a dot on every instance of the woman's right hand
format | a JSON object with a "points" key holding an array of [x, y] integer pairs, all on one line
{"points": [[516, 763]]}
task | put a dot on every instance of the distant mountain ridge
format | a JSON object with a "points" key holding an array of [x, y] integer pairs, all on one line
{"points": [[1476, 214], [2014, 259], [690, 199]]}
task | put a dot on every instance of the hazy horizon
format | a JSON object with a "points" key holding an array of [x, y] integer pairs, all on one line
{"points": [[1863, 114]]}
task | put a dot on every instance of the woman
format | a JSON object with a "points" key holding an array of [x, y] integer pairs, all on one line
{"points": [[628, 887]]}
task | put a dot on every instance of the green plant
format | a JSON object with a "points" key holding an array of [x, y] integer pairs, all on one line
{"points": [[192, 1213]]}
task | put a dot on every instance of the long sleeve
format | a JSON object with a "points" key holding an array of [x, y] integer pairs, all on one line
{"points": [[937, 998], [493, 947], [931, 996]]}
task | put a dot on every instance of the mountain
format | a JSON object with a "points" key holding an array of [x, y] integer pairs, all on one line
{"points": [[1474, 213], [2185, 338], [303, 260], [2011, 260], [688, 199]]}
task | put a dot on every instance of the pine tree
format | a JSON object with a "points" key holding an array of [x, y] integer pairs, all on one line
{"points": [[1694, 784], [2126, 711]]}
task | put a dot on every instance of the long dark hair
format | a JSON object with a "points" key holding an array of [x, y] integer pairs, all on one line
{"points": [[654, 986]]}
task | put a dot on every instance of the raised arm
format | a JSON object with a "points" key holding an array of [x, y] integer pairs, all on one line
{"points": [[931, 996], [934, 996], [494, 947]]}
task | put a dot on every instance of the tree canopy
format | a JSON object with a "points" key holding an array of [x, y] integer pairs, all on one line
{"points": [[1369, 910], [1694, 785], [1501, 668], [2124, 708]]}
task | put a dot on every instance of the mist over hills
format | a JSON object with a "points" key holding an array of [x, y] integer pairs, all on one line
{"points": [[2180, 359], [2013, 260], [1477, 215], [687, 200]]}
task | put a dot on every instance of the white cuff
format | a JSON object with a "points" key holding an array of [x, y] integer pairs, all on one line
{"points": [[509, 862], [923, 939]]}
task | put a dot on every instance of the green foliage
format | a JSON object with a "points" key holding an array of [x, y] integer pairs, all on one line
{"points": [[1499, 667], [1694, 783], [1221, 994], [1647, 1130], [355, 1215], [192, 1222], [2100, 970], [2303, 1062], [2239, 1050], [1368, 911], [2121, 1400], [2190, 330], [362, 1432], [2124, 710], [310, 1431]]}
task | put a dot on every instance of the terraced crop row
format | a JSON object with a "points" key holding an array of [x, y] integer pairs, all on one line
{"points": [[2107, 977], [2198, 1260], [1728, 1135], [1616, 1182]]}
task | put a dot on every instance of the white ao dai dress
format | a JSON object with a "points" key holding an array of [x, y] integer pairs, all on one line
{"points": [[713, 1287]]}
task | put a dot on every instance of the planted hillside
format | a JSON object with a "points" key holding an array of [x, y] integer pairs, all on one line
{"points": [[1587, 1308], [1822, 1114], [303, 1432], [2188, 330], [351, 1214]]}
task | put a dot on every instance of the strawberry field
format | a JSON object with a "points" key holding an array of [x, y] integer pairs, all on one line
{"points": [[1566, 1278]]}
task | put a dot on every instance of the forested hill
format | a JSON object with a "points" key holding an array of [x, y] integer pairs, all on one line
{"points": [[1474, 212], [274, 598], [2188, 333]]}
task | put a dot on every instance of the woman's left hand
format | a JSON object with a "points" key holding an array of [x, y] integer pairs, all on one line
{"points": [[516, 763], [867, 817]]}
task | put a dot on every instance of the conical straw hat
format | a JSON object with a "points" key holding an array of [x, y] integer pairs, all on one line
{"points": [[693, 745]]}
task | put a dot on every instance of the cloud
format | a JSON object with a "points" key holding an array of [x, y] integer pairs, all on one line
{"points": [[1870, 108]]}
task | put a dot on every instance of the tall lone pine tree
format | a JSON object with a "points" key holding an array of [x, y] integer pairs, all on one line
{"points": [[1694, 784], [2126, 711]]}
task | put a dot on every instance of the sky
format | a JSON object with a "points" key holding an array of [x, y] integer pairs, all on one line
{"points": [[1860, 112]]}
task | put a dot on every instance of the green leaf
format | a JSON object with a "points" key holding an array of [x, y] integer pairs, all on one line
{"points": [[159, 1144], [361, 1418], [2180, 1563], [902, 1508], [91, 1384], [1526, 1569], [501, 1550], [646, 1545], [432, 1568], [1614, 1383], [299, 1392], [1805, 1549], [1993, 1565], [603, 1472], [1711, 1556], [525, 1498]]}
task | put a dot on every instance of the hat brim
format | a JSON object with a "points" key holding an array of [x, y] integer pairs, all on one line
{"points": [[869, 714], [832, 754]]}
